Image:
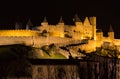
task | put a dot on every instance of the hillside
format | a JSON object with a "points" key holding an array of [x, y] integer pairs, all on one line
{"points": [[16, 51]]}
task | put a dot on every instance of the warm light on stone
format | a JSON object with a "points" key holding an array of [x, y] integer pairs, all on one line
{"points": [[61, 34], [18, 33]]}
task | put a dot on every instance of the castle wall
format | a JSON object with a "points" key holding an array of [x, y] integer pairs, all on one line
{"points": [[99, 43], [8, 40], [90, 47], [99, 39], [88, 31], [99, 36], [106, 39], [33, 41], [79, 26], [40, 41], [77, 35], [54, 30], [117, 42], [18, 33]]}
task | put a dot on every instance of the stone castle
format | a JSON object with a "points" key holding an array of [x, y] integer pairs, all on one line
{"points": [[60, 34]]}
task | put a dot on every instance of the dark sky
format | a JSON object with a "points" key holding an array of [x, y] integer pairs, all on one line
{"points": [[106, 11]]}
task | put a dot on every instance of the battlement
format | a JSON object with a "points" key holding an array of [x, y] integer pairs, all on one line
{"points": [[18, 33]]}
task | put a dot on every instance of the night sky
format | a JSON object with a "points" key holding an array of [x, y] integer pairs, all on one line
{"points": [[106, 11]]}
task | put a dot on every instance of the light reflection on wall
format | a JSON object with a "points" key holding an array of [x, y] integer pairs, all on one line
{"points": [[18, 33]]}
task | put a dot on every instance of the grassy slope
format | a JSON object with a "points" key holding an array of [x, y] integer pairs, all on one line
{"points": [[9, 52], [12, 51], [52, 56]]}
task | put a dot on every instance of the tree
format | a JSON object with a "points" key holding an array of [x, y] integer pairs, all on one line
{"points": [[110, 52], [15, 63]]}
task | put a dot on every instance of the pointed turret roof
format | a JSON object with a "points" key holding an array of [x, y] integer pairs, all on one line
{"points": [[110, 29], [61, 20], [77, 19], [86, 21], [18, 25], [29, 23], [44, 20]]}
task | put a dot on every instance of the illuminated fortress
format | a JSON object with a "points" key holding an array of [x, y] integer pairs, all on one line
{"points": [[60, 34]]}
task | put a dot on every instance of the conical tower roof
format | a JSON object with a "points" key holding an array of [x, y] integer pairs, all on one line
{"points": [[76, 18], [61, 20], [18, 25], [44, 20], [110, 29], [29, 23]]}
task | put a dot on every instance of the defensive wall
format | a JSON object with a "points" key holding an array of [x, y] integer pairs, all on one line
{"points": [[32, 40], [7, 40], [19, 33]]}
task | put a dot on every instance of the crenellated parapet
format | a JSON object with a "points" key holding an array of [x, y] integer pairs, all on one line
{"points": [[18, 33]]}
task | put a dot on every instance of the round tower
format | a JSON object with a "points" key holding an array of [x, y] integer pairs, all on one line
{"points": [[78, 26], [93, 23], [99, 35], [61, 21], [61, 27], [29, 25], [77, 20], [111, 33]]}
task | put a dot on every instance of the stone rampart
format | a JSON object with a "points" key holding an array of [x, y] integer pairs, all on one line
{"points": [[18, 33], [7, 40], [40, 41], [32, 40]]}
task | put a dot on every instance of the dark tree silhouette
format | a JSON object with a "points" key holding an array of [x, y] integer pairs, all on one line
{"points": [[109, 52], [15, 62]]}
